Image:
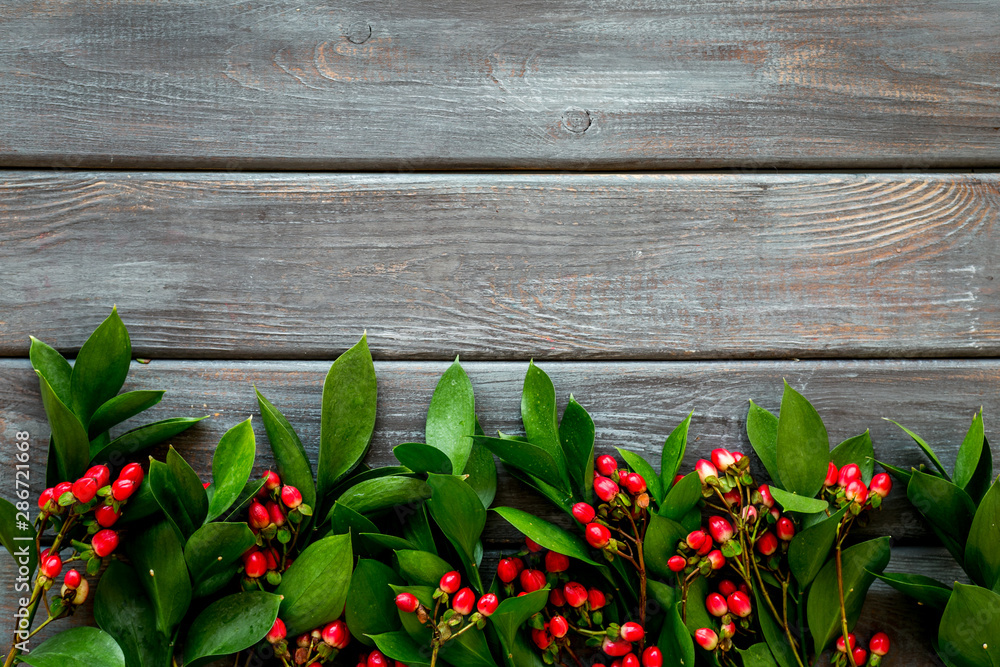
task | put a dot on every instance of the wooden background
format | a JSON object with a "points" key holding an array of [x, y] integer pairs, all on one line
{"points": [[671, 206]]}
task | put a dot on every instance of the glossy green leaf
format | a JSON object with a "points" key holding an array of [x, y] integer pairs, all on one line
{"points": [[399, 646], [803, 447], [774, 636], [697, 615], [823, 604], [157, 552], [371, 609], [232, 464], [18, 536], [927, 449], [762, 430], [290, 456], [514, 612], [546, 534], [451, 418], [53, 367], [141, 505], [229, 625], [363, 473], [982, 551], [469, 650], [481, 471], [947, 508], [344, 520], [641, 466], [315, 586], [421, 568], [969, 633], [923, 589], [70, 443], [213, 555], [660, 544], [682, 498], [460, 515], [76, 647], [122, 407], [528, 457], [810, 548], [417, 529], [673, 451], [900, 474], [757, 655], [793, 502], [419, 457], [859, 450], [376, 542], [179, 492], [576, 436], [348, 419], [674, 639], [138, 439], [101, 367], [970, 452], [122, 609], [538, 412], [557, 497], [982, 476], [384, 492]]}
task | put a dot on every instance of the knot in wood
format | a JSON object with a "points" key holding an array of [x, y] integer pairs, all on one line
{"points": [[359, 32], [577, 120]]}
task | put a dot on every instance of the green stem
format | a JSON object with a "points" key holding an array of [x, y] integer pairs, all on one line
{"points": [[788, 631], [843, 609]]}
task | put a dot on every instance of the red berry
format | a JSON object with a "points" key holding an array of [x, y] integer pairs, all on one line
{"points": [[275, 514], [291, 497], [507, 570], [677, 478], [255, 564], [727, 630], [605, 488], [732, 497], [450, 582], [848, 473], [720, 529], [533, 547], [44, 499], [881, 485], [583, 513], [739, 604], [616, 648], [464, 601], [706, 638], [856, 491], [652, 657], [106, 516], [576, 594], [860, 656], [104, 542], [597, 535], [377, 659], [850, 638], [696, 539], [532, 580], [749, 514], [722, 459], [879, 645], [271, 480], [785, 529], [487, 604], [133, 473], [767, 543], [832, 475], [632, 632], [407, 602], [716, 605], [635, 483], [50, 566], [277, 631], [272, 558], [556, 597], [100, 474], [558, 627], [556, 562], [606, 465], [596, 598], [676, 563], [60, 489], [716, 558], [738, 456], [765, 495], [541, 638], [72, 579], [706, 471], [630, 660], [726, 587], [122, 489], [336, 635], [258, 516]]}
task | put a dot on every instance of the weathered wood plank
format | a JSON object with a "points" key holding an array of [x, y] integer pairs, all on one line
{"points": [[634, 405], [505, 266], [534, 84]]}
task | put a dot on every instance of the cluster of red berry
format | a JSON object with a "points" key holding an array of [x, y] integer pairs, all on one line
{"points": [[318, 647], [276, 523], [878, 646], [846, 485]]}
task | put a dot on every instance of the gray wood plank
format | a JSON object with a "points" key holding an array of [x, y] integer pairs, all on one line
{"points": [[565, 84], [505, 266], [634, 405]]}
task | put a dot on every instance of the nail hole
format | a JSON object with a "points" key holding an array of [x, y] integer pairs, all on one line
{"points": [[359, 32]]}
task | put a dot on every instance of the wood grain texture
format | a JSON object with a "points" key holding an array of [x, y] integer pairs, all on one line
{"points": [[566, 84], [504, 266]]}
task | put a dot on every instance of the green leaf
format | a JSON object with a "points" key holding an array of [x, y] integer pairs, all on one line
{"points": [[290, 457], [776, 640], [344, 520], [947, 508], [810, 548], [641, 466], [232, 464], [538, 412], [557, 497], [793, 502], [661, 540], [682, 498], [179, 492], [927, 449], [697, 614], [762, 430], [230, 625], [77, 647], [364, 473], [417, 529], [141, 505], [384, 492], [122, 407], [900, 474], [970, 627], [859, 450], [18, 538], [970, 452], [757, 655], [546, 534], [576, 436], [803, 447], [982, 551], [376, 542], [523, 455], [398, 646], [482, 473], [419, 457], [138, 439], [101, 367], [122, 609], [70, 443], [460, 515], [451, 417], [982, 477], [213, 555], [371, 609], [923, 589], [674, 640], [53, 367], [348, 419], [315, 586], [421, 568], [514, 612], [157, 553], [823, 604], [673, 451], [249, 492]]}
